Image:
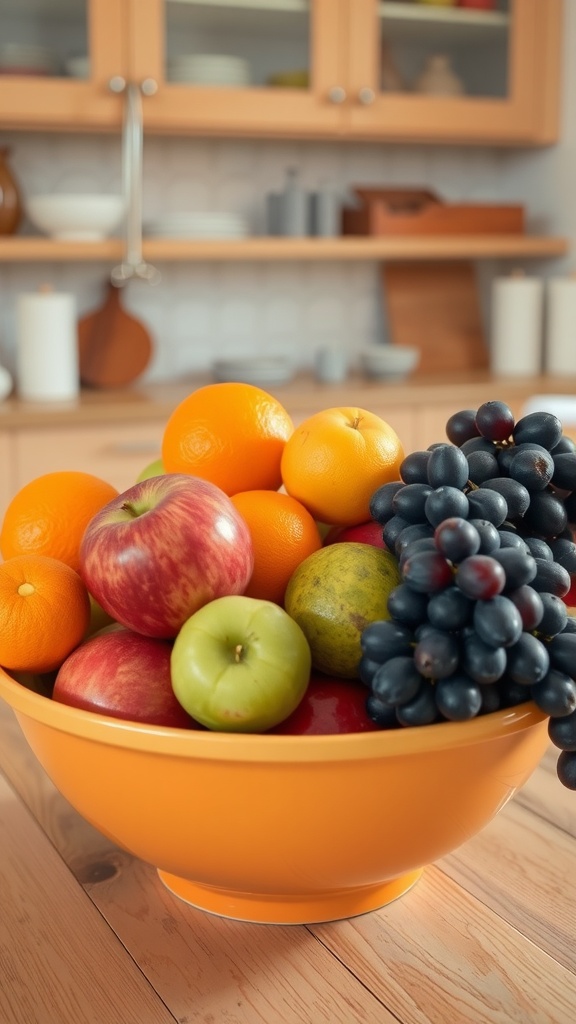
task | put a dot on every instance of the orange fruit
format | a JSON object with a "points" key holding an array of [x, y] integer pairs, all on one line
{"points": [[48, 516], [231, 434], [283, 535], [44, 612], [336, 459]]}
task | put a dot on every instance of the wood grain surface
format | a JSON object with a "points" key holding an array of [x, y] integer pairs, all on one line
{"points": [[89, 934]]}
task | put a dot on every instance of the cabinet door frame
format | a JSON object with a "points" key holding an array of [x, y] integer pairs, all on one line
{"points": [[64, 103], [241, 111], [529, 115]]}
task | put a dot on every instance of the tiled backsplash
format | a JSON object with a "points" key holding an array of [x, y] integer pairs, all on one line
{"points": [[202, 312]]}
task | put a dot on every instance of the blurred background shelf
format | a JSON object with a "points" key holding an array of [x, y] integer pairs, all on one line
{"points": [[31, 249]]}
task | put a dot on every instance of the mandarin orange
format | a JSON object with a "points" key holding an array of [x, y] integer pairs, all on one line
{"points": [[49, 514], [283, 534], [232, 434], [44, 612], [336, 459]]}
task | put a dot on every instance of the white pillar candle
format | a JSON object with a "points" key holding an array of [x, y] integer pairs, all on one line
{"points": [[560, 343], [47, 346], [516, 326]]}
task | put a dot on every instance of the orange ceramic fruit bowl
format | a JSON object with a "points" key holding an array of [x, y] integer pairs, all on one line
{"points": [[283, 829]]}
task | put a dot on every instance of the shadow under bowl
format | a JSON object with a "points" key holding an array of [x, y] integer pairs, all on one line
{"points": [[283, 829]]}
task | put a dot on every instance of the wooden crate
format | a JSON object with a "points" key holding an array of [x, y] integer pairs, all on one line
{"points": [[421, 212]]}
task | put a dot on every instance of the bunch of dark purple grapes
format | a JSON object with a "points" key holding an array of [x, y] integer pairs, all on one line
{"points": [[480, 526]]}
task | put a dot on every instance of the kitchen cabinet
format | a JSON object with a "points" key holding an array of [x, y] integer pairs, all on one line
{"points": [[294, 68]]}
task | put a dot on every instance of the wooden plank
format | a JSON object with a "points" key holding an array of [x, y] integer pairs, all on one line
{"points": [[29, 249], [439, 955], [61, 963]]}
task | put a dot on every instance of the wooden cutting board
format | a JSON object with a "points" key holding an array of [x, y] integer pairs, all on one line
{"points": [[435, 307], [114, 348]]}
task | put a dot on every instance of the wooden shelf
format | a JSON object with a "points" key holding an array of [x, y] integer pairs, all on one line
{"points": [[425, 247]]}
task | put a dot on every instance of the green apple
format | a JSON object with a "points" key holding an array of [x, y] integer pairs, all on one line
{"points": [[155, 468], [240, 664]]}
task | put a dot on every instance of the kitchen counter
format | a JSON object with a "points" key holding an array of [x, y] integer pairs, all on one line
{"points": [[303, 395], [89, 935]]}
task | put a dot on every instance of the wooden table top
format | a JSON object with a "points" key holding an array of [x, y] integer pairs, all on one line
{"points": [[88, 934]]}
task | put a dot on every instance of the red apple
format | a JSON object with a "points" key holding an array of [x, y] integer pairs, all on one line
{"points": [[363, 533], [125, 675], [164, 548], [329, 705]]}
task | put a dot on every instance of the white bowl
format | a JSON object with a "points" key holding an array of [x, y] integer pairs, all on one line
{"points": [[387, 362], [86, 218]]}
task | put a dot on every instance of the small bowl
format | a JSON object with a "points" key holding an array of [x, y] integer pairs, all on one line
{"points": [[283, 829], [389, 362], [85, 218]]}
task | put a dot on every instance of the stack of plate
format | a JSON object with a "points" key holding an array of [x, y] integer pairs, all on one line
{"points": [[209, 69], [197, 225], [259, 371]]}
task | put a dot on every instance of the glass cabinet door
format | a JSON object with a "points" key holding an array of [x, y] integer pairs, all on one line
{"points": [[239, 65], [464, 69], [56, 60]]}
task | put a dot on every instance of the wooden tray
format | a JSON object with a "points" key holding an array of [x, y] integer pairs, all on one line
{"points": [[435, 307], [421, 212]]}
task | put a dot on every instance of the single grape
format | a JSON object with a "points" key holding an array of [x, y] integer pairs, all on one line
{"points": [[505, 455], [414, 468], [482, 663], [566, 769], [491, 699], [539, 548], [485, 503], [528, 660], [381, 501], [542, 427], [489, 536], [421, 544], [397, 681], [516, 496], [456, 538], [384, 639], [481, 466], [480, 577], [445, 502], [546, 514], [437, 654], [563, 551], [409, 502], [551, 578], [562, 651], [367, 669], [458, 698], [554, 615], [380, 713], [392, 530], [562, 731], [421, 710], [497, 621], [410, 534], [564, 475], [427, 572], [533, 469], [449, 609], [511, 539], [565, 444], [569, 626], [461, 426], [529, 603], [519, 567], [407, 605], [495, 420], [555, 695], [447, 465]]}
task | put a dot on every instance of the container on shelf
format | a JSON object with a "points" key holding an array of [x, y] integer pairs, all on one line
{"points": [[516, 326], [47, 346]]}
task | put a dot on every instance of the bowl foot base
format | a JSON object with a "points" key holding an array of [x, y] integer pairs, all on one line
{"points": [[263, 908]]}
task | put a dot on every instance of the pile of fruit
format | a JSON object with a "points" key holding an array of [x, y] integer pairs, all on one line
{"points": [[262, 577]]}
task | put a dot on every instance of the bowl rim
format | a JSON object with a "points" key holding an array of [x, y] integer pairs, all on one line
{"points": [[247, 747]]}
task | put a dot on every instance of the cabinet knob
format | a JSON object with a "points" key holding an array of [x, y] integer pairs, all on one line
{"points": [[337, 94], [117, 83], [366, 96], [148, 87]]}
